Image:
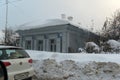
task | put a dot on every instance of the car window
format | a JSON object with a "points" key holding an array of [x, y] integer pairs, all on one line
{"points": [[13, 54], [0, 52]]}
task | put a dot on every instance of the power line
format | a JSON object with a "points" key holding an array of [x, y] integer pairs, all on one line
{"points": [[10, 2], [15, 1], [16, 7]]}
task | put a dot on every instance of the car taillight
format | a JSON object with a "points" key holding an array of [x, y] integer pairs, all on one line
{"points": [[30, 60], [7, 63]]}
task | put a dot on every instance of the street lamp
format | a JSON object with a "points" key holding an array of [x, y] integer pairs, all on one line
{"points": [[6, 23]]}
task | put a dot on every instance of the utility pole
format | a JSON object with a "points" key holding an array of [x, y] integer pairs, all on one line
{"points": [[6, 23]]}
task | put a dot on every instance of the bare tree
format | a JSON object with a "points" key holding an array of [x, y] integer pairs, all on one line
{"points": [[11, 37]]}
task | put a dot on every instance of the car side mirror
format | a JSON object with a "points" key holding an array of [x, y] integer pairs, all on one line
{"points": [[3, 72]]}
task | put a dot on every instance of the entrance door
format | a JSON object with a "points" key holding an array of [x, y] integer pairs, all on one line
{"points": [[40, 45], [28, 44], [53, 45]]}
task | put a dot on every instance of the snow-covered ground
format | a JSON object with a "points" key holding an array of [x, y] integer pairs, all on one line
{"points": [[75, 66], [78, 57]]}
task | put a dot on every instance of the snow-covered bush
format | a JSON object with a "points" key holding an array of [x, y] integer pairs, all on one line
{"points": [[111, 46], [92, 47], [81, 50]]}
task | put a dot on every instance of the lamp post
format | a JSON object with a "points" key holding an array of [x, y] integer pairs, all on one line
{"points": [[6, 23]]}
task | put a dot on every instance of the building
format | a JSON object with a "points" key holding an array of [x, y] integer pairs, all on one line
{"points": [[55, 36]]}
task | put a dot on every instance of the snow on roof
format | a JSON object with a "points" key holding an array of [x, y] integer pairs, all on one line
{"points": [[55, 22], [51, 22]]}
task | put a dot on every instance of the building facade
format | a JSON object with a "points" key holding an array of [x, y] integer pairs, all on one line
{"points": [[64, 38]]}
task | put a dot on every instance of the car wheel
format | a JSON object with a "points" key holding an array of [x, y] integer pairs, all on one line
{"points": [[30, 78]]}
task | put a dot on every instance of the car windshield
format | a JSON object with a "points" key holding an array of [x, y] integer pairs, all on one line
{"points": [[12, 53]]}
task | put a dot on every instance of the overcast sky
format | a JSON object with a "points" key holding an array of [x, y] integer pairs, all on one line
{"points": [[83, 11]]}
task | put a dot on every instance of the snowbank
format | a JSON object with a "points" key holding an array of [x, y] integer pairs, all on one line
{"points": [[49, 69], [64, 66]]}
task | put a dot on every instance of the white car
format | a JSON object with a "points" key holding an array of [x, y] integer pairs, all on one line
{"points": [[17, 62]]}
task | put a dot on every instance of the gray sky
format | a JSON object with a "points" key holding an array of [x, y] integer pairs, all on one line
{"points": [[83, 11]]}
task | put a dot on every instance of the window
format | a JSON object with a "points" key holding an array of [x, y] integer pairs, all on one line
{"points": [[13, 53], [53, 45], [28, 44], [1, 52], [40, 45]]}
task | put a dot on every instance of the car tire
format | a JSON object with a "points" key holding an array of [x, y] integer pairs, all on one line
{"points": [[30, 78]]}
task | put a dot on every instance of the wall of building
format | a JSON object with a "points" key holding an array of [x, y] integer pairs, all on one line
{"points": [[77, 38], [60, 39]]}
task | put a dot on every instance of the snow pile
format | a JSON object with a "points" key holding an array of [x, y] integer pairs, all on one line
{"points": [[49, 69], [65, 66]]}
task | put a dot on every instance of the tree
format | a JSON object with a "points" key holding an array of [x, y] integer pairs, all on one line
{"points": [[11, 37], [111, 27]]}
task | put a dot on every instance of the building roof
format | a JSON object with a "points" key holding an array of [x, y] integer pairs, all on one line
{"points": [[51, 22]]}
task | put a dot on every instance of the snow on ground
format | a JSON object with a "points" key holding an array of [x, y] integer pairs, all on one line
{"points": [[78, 57], [64, 66]]}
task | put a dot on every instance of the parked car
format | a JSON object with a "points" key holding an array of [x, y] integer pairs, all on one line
{"points": [[18, 63]]}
